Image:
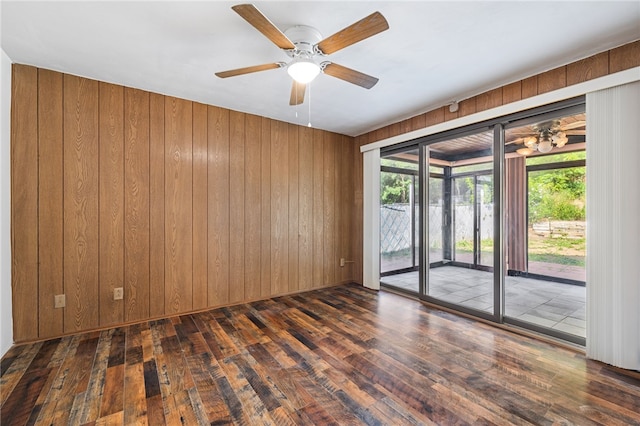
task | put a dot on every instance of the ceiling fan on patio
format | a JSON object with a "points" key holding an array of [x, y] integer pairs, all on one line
{"points": [[307, 50], [543, 137]]}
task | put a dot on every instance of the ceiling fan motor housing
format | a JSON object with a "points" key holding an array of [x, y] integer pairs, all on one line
{"points": [[304, 38]]}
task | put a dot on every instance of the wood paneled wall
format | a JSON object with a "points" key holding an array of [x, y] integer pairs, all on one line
{"points": [[186, 206], [601, 64]]}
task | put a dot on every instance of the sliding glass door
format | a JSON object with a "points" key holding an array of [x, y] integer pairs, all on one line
{"points": [[501, 235]]}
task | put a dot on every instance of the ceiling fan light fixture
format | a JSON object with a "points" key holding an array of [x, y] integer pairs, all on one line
{"points": [[531, 142], [545, 146], [560, 139], [546, 137], [525, 151], [303, 70]]}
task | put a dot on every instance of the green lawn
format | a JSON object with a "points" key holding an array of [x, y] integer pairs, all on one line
{"points": [[561, 251]]}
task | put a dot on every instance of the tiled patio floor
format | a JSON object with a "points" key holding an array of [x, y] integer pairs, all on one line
{"points": [[570, 272], [545, 303]]}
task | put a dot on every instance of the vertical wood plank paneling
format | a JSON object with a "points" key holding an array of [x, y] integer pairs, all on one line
{"points": [[305, 203], [467, 107], [624, 57], [80, 203], [293, 167], [344, 191], [587, 69], [488, 100], [318, 209], [349, 205], [357, 209], [448, 115], [24, 202], [50, 195], [279, 208], [552, 80], [178, 205], [137, 184], [156, 205], [339, 183], [111, 215], [329, 190], [417, 122], [395, 129], [167, 198], [529, 87], [265, 203], [200, 203], [512, 92], [236, 206], [253, 208], [218, 198], [405, 125], [434, 117]]}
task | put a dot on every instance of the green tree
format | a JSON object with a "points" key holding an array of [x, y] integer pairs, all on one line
{"points": [[394, 188], [557, 194]]}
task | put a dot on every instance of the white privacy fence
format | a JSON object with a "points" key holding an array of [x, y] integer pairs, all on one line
{"points": [[464, 222], [395, 225]]}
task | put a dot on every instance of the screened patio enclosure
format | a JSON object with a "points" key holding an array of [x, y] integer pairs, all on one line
{"points": [[488, 222]]}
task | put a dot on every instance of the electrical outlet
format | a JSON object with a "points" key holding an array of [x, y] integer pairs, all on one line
{"points": [[59, 301], [343, 262], [118, 293]]}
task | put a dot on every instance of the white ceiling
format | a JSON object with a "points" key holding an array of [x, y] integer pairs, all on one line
{"points": [[433, 53]]}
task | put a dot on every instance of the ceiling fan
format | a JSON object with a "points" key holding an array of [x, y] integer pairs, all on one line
{"points": [[543, 137], [306, 48]]}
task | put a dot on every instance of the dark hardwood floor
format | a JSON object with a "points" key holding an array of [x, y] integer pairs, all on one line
{"points": [[342, 355]]}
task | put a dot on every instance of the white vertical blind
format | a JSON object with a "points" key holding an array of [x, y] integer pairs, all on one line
{"points": [[613, 226], [371, 219], [6, 309]]}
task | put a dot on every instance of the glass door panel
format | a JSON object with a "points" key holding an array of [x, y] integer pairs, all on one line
{"points": [[460, 215], [473, 220], [544, 283], [556, 223], [436, 218], [395, 222], [463, 220], [416, 221], [484, 219], [399, 220]]}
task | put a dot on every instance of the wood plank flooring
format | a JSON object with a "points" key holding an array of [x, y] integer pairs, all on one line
{"points": [[341, 355]]}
